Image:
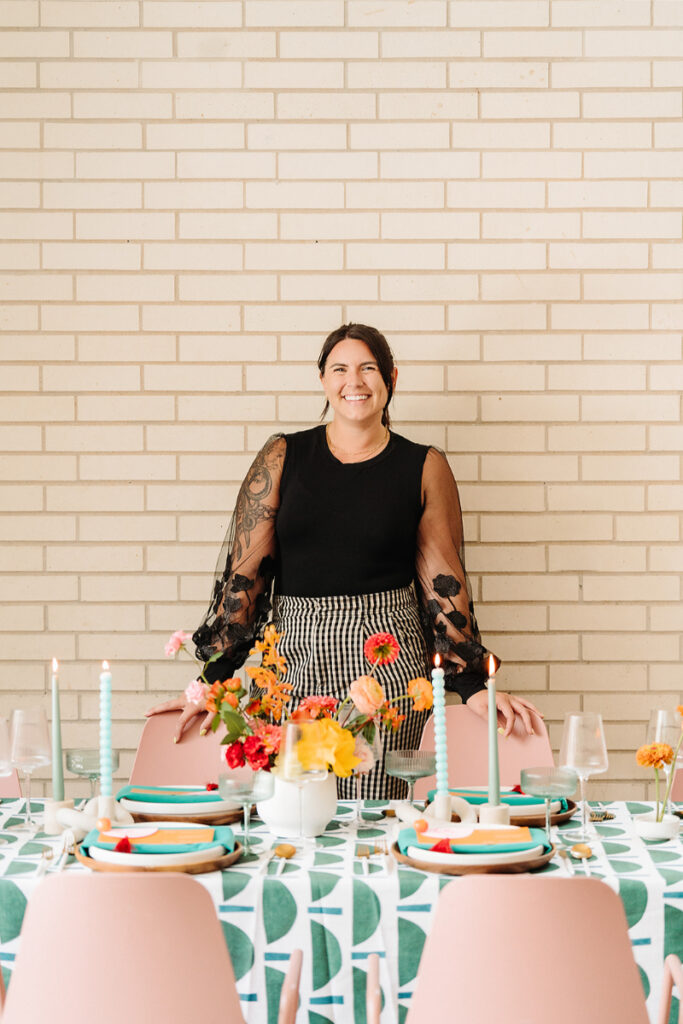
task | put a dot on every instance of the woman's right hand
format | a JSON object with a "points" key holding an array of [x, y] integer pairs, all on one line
{"points": [[189, 709]]}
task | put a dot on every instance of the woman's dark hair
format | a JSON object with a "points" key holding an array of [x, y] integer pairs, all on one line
{"points": [[378, 345]]}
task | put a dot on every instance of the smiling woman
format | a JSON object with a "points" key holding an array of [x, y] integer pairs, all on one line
{"points": [[344, 531]]}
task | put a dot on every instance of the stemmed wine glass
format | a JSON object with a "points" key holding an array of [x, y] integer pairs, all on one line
{"points": [[410, 765], [665, 727], [5, 755], [30, 749], [245, 786], [550, 783], [291, 768], [583, 749]]}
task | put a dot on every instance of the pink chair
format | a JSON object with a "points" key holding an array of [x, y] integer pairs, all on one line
{"points": [[9, 787], [523, 950], [194, 761], [677, 787], [127, 947], [468, 750]]}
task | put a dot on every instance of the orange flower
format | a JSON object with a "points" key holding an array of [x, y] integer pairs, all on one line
{"points": [[381, 648], [679, 709], [420, 690], [314, 707], [233, 684], [232, 700], [391, 718], [215, 697], [654, 755]]}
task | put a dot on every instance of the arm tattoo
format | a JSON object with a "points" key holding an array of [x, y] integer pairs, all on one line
{"points": [[252, 506]]}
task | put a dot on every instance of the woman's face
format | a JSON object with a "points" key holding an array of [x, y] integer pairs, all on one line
{"points": [[353, 384]]}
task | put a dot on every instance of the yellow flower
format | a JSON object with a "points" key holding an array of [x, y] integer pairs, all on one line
{"points": [[324, 744], [654, 755], [421, 691]]}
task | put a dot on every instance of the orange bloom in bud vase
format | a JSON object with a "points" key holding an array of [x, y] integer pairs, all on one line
{"points": [[381, 649]]}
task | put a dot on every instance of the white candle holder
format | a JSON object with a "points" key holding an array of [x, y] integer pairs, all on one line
{"points": [[494, 814], [51, 826], [99, 807]]}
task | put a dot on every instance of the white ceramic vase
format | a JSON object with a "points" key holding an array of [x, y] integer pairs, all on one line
{"points": [[281, 812], [653, 831]]}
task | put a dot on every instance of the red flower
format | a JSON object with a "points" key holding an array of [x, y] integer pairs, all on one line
{"points": [[124, 845], [381, 648], [234, 754], [211, 786], [255, 753]]}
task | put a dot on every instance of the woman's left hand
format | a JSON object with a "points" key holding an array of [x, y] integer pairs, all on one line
{"points": [[509, 706]]}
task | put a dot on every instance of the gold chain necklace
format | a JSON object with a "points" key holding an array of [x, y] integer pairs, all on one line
{"points": [[355, 455]]}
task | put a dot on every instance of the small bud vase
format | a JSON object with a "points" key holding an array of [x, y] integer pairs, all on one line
{"points": [[281, 812], [657, 831]]}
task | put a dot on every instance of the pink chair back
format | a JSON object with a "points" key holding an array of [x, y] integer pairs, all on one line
{"points": [[677, 787], [9, 787], [524, 950], [100, 947], [194, 761], [468, 750]]}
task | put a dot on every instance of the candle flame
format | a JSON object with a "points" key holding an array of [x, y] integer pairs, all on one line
{"points": [[55, 665], [105, 666], [492, 666], [437, 660]]}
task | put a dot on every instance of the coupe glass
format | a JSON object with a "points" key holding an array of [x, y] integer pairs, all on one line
{"points": [[86, 763], [291, 767], [583, 749], [245, 786], [665, 727], [30, 749], [551, 784], [410, 765]]}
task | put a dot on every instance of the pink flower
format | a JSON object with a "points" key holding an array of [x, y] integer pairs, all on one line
{"points": [[270, 736], [381, 648], [195, 692], [367, 695], [363, 750], [175, 642]]}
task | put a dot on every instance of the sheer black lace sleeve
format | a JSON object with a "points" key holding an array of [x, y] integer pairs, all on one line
{"points": [[447, 610], [242, 591]]}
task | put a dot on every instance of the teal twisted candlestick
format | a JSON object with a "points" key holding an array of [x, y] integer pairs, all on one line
{"points": [[440, 742], [105, 734]]}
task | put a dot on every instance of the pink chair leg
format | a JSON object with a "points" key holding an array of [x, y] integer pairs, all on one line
{"points": [[673, 975], [289, 996], [373, 993], [2, 991]]}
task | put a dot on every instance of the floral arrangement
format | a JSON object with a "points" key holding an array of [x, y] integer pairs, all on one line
{"points": [[338, 735], [656, 756]]}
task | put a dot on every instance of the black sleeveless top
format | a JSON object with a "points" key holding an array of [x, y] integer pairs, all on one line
{"points": [[347, 528]]}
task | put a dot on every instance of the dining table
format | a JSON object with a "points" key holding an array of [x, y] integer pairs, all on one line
{"points": [[340, 898]]}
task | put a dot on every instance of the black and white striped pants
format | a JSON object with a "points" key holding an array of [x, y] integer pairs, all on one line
{"points": [[323, 645]]}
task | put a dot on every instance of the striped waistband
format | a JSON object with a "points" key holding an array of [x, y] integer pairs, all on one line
{"points": [[382, 601]]}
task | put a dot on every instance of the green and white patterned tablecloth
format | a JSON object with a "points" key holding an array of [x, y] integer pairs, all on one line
{"points": [[325, 904]]}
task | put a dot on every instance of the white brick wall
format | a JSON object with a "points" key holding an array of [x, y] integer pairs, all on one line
{"points": [[193, 194]]}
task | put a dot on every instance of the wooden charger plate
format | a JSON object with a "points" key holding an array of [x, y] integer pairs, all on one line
{"points": [[474, 869], [218, 818], [199, 868]]}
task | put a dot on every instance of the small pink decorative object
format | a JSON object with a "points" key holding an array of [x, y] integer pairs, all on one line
{"points": [[381, 648], [363, 750], [175, 642], [195, 693], [367, 695]]}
